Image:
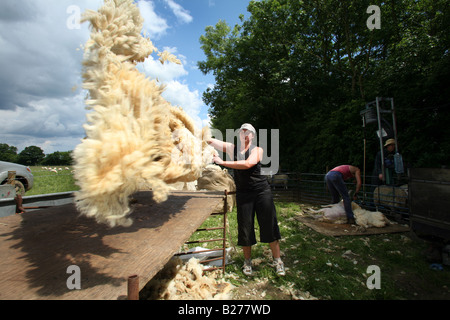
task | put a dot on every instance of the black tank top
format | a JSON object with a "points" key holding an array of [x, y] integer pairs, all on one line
{"points": [[249, 179]]}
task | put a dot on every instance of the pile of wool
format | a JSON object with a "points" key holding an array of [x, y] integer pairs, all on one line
{"points": [[178, 281], [134, 138]]}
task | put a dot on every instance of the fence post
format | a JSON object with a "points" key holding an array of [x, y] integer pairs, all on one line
{"points": [[11, 177], [133, 287]]}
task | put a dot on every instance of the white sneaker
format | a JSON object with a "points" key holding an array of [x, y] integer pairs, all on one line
{"points": [[247, 268], [280, 268]]}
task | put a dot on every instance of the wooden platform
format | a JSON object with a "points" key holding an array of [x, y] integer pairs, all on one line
{"points": [[36, 248]]}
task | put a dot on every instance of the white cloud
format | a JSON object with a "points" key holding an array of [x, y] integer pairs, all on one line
{"points": [[41, 63], [38, 55], [166, 72], [177, 93], [47, 123], [207, 122], [153, 24], [180, 95], [47, 117], [182, 14]]}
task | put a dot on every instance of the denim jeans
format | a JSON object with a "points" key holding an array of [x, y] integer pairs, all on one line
{"points": [[338, 189]]}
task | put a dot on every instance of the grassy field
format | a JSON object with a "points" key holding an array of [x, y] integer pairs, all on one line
{"points": [[336, 268], [46, 181], [317, 266]]}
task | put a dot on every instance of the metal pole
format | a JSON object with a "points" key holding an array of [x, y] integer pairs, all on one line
{"points": [[381, 139], [225, 209], [11, 177], [364, 163], [394, 121]]}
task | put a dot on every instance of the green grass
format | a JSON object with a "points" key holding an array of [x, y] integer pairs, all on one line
{"points": [[317, 264], [46, 182]]}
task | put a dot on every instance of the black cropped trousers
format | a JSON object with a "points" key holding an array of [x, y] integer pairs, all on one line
{"points": [[259, 203]]}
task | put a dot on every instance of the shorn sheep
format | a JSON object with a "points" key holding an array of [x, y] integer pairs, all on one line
{"points": [[336, 213], [279, 181], [134, 137]]}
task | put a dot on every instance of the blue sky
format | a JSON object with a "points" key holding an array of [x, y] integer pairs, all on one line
{"points": [[41, 100]]}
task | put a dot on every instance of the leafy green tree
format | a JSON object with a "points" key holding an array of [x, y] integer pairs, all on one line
{"points": [[58, 158], [309, 67], [8, 153], [31, 156]]}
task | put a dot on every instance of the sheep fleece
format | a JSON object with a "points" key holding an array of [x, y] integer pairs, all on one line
{"points": [[215, 178], [134, 138], [363, 218]]}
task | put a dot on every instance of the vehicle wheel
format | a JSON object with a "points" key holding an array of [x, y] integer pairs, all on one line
{"points": [[20, 188]]}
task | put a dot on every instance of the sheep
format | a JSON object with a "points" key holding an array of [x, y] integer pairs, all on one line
{"points": [[367, 219], [336, 213], [215, 178], [333, 211], [134, 137], [391, 196], [279, 180]]}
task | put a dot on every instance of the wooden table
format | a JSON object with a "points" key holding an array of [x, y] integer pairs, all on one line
{"points": [[36, 248]]}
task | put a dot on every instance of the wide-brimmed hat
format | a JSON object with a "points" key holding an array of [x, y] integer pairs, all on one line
{"points": [[389, 142], [248, 127]]}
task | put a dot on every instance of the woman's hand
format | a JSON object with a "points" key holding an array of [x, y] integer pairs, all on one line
{"points": [[217, 160]]}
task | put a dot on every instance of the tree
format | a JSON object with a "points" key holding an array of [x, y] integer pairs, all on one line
{"points": [[8, 153], [309, 67], [31, 156], [58, 158]]}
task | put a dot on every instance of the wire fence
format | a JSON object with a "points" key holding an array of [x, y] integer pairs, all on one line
{"points": [[311, 188]]}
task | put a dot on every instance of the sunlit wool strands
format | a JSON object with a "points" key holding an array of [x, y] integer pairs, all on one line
{"points": [[134, 137]]}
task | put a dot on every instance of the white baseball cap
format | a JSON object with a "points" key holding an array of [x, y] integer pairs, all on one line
{"points": [[248, 127]]}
